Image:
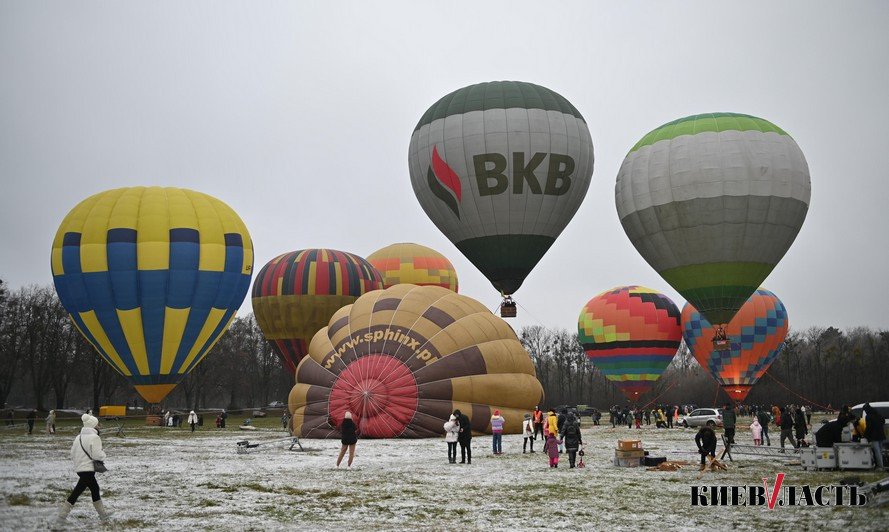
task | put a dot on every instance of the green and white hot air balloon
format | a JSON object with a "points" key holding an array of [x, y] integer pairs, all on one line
{"points": [[713, 202], [501, 168]]}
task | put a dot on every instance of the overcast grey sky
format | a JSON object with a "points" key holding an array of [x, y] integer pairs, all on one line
{"points": [[299, 116]]}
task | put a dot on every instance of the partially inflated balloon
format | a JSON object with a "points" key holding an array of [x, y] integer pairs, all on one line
{"points": [[757, 337], [501, 168], [152, 277], [296, 293], [413, 264], [631, 333], [403, 359], [713, 202]]}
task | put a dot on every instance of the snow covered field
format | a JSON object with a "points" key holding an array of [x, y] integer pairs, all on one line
{"points": [[162, 479]]}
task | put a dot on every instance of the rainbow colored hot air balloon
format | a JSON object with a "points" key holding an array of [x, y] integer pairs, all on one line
{"points": [[152, 277], [757, 337], [403, 359], [296, 293], [631, 333], [408, 263]]}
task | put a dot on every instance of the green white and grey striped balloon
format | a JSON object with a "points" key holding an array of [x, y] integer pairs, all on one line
{"points": [[713, 202], [501, 168]]}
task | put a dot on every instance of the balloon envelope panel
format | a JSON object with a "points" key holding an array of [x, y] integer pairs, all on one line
{"points": [[152, 277], [403, 359], [501, 168], [631, 334], [756, 333], [413, 264], [713, 202], [296, 293]]}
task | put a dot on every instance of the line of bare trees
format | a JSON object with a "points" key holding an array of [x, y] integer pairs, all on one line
{"points": [[46, 363], [818, 366]]}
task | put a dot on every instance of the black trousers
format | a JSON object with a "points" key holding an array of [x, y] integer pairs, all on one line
{"points": [[705, 452], [87, 480], [730, 434], [525, 444], [538, 428], [572, 455], [452, 451], [466, 451]]}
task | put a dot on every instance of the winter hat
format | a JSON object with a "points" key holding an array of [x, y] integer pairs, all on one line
{"points": [[527, 416], [496, 412], [347, 415], [452, 418], [89, 421]]}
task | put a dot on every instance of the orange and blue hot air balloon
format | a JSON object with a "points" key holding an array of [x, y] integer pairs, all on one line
{"points": [[631, 334], [152, 277], [756, 334]]}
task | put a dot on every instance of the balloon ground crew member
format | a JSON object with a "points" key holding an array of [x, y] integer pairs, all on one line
{"points": [[705, 439], [537, 418]]}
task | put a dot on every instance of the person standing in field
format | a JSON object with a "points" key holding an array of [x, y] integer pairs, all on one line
{"points": [[497, 422], [572, 437], [551, 448], [51, 422], [452, 432], [528, 433], [222, 417], [192, 420], [31, 417], [86, 448], [762, 415], [348, 438], [729, 421], [756, 432], [875, 433], [537, 417], [786, 428], [465, 437]]}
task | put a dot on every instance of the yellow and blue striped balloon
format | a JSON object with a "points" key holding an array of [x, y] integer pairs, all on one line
{"points": [[152, 277]]}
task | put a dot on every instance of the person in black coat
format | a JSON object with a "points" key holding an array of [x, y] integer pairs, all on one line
{"points": [[831, 432], [799, 424], [787, 427], [348, 437], [875, 433], [572, 438], [705, 439], [464, 438], [764, 419]]}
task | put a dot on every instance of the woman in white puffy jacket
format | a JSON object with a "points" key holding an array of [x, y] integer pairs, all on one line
{"points": [[87, 447], [452, 432]]}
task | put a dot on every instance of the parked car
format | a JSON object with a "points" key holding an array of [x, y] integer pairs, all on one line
{"points": [[276, 404], [712, 417], [880, 406]]}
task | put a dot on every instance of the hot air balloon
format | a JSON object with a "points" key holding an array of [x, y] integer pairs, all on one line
{"points": [[413, 264], [756, 335], [501, 168], [713, 202], [403, 359], [630, 333], [296, 293], [152, 277]]}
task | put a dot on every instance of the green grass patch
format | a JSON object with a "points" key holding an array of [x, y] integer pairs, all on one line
{"points": [[332, 494], [207, 503], [255, 486], [18, 500]]}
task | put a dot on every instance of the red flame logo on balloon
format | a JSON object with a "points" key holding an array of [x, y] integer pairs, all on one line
{"points": [[444, 182]]}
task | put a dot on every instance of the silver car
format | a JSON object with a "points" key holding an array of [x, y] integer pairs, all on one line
{"points": [[712, 417]]}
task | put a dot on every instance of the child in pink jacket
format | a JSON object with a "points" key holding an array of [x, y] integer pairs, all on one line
{"points": [[756, 431], [551, 448]]}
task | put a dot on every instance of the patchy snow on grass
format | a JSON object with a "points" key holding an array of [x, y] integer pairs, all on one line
{"points": [[162, 479]]}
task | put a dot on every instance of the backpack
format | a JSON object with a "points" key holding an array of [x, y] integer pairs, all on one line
{"points": [[571, 429]]}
